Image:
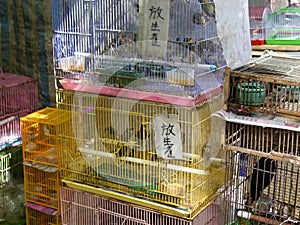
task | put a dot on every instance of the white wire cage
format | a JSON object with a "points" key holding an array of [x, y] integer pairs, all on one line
{"points": [[260, 190], [282, 26], [108, 43], [84, 208], [10, 133]]}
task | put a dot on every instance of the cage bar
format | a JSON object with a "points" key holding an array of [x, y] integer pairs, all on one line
{"points": [[36, 217], [282, 27], [11, 166], [114, 147], [108, 43], [42, 132], [267, 85], [10, 132], [257, 23], [261, 190], [11, 185], [41, 187], [263, 134], [18, 94], [88, 209]]}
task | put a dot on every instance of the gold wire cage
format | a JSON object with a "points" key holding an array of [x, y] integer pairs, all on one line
{"points": [[269, 85], [84, 208], [42, 134], [36, 217], [114, 146]]}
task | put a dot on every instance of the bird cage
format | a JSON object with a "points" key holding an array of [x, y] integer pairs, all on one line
{"points": [[84, 208], [256, 21], [41, 188], [119, 144], [11, 166], [11, 185], [267, 85], [38, 216], [261, 190], [155, 46], [41, 134], [262, 134], [257, 32], [18, 94], [10, 133], [283, 27]]}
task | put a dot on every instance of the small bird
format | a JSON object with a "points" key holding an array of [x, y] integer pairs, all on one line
{"points": [[262, 175]]}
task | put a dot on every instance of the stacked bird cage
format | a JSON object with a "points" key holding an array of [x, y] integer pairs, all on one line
{"points": [[84, 208], [18, 97], [167, 47], [11, 185], [42, 132], [261, 141], [142, 79], [155, 151]]}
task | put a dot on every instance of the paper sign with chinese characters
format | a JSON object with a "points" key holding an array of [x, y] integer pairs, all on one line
{"points": [[167, 137], [154, 27]]}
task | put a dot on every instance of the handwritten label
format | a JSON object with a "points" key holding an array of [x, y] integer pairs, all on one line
{"points": [[154, 27], [167, 137]]}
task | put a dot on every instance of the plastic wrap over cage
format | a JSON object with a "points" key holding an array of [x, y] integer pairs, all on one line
{"points": [[156, 46], [85, 208], [155, 151], [269, 85]]}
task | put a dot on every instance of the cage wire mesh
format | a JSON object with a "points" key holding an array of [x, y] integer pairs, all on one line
{"points": [[282, 27], [260, 190], [18, 94], [36, 217], [88, 209], [42, 132], [41, 188], [11, 185], [268, 85], [266, 135], [108, 43], [114, 146], [41, 137], [10, 133]]}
